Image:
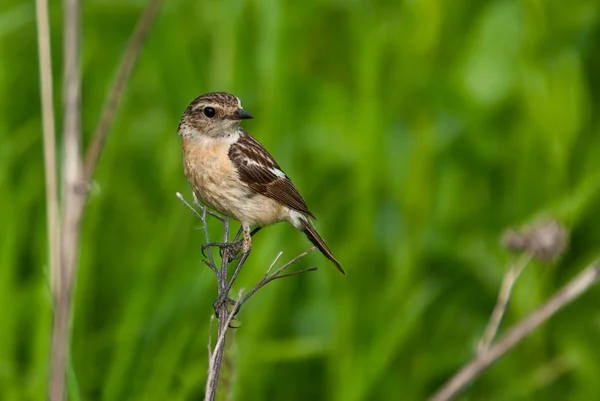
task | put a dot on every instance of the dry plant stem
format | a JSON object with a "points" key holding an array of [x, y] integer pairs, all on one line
{"points": [[277, 275], [226, 316], [214, 365], [502, 303], [74, 189], [216, 355], [53, 216], [237, 270], [577, 286], [73, 196], [202, 217], [131, 54], [224, 285], [205, 211], [216, 360], [73, 200], [210, 330]]}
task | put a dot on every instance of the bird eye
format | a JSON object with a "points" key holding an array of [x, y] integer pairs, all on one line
{"points": [[209, 112]]}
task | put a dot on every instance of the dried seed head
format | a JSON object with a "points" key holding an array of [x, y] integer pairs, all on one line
{"points": [[545, 240]]}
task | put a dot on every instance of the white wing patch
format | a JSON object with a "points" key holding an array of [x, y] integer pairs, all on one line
{"points": [[277, 172], [252, 162]]}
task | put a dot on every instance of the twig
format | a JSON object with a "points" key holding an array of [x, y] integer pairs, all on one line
{"points": [[210, 330], [237, 270], [502, 303], [225, 283], [131, 54], [192, 208], [571, 291], [277, 275], [47, 100], [273, 263], [224, 286], [214, 365], [226, 230], [207, 210]]}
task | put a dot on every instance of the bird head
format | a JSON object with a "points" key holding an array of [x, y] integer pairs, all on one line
{"points": [[215, 114]]}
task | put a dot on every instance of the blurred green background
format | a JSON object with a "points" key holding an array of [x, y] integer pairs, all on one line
{"points": [[417, 131]]}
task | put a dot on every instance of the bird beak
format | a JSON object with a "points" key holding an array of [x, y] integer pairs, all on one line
{"points": [[241, 115]]}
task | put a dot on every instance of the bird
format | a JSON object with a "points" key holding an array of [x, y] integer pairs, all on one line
{"points": [[232, 173]]}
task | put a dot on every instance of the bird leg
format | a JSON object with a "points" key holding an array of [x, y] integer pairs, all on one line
{"points": [[241, 230], [247, 241], [232, 248], [246, 248], [229, 250]]}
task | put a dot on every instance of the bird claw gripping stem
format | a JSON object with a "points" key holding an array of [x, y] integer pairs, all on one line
{"points": [[219, 303], [227, 250]]}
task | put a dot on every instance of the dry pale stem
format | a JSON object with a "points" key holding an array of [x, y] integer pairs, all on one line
{"points": [[64, 248], [224, 285], [73, 202], [577, 286], [130, 56], [214, 365], [502, 303], [47, 94]]}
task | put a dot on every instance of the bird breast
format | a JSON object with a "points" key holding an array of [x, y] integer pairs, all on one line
{"points": [[216, 182]]}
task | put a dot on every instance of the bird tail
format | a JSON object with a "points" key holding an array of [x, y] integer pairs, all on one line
{"points": [[317, 241]]}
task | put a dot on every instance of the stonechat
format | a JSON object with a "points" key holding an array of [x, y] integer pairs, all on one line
{"points": [[232, 173]]}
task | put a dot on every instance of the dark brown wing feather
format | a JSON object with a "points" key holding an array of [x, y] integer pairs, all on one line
{"points": [[314, 237], [261, 173]]}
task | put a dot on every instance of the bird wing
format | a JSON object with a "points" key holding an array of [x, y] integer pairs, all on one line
{"points": [[257, 168]]}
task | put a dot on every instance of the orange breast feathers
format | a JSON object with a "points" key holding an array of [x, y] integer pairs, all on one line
{"points": [[216, 182]]}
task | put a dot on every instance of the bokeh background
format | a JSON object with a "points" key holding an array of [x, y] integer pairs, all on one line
{"points": [[418, 131]]}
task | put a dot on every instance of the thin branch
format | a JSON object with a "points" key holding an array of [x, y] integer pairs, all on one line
{"points": [[268, 278], [571, 291], [238, 235], [210, 330], [131, 54], [207, 210], [202, 216], [224, 285], [222, 281], [273, 263], [502, 303], [295, 273], [48, 124], [226, 230], [214, 365], [192, 208], [211, 259], [237, 270]]}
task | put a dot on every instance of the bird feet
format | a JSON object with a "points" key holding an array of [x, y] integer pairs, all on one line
{"points": [[228, 250], [224, 303]]}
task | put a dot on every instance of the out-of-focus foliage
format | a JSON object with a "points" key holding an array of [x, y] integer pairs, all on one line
{"points": [[417, 130]]}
